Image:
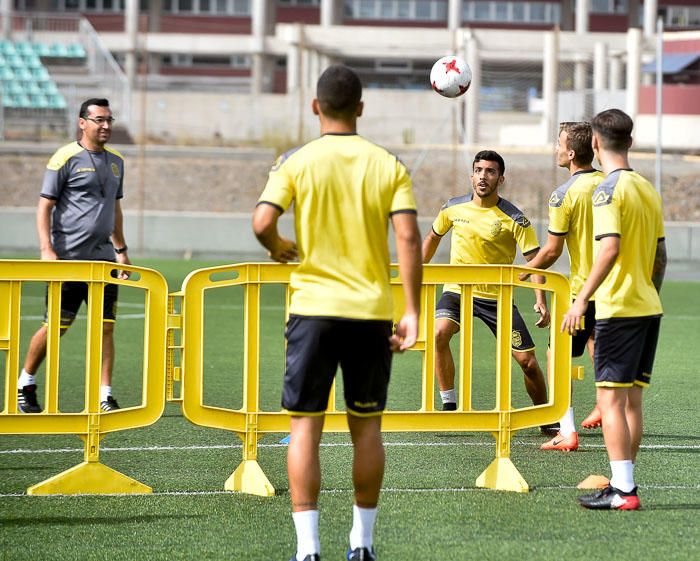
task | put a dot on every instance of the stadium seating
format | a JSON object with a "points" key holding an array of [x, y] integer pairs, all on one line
{"points": [[24, 80]]}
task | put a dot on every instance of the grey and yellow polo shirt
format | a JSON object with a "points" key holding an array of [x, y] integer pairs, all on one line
{"points": [[85, 186]]}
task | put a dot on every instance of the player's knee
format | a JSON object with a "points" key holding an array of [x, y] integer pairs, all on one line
{"points": [[442, 337], [529, 365]]}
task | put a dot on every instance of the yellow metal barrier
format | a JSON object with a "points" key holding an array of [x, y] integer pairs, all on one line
{"points": [[249, 423], [91, 424]]}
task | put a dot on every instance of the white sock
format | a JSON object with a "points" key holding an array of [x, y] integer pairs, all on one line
{"points": [[448, 396], [622, 475], [362, 527], [105, 392], [306, 526], [566, 423], [25, 379]]}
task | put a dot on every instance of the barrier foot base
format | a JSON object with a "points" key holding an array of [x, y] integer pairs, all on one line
{"points": [[249, 478], [503, 476], [90, 478]]}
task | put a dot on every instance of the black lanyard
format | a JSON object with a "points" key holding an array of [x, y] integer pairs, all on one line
{"points": [[100, 181]]}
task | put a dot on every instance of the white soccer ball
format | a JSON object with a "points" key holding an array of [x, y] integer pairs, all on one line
{"points": [[451, 76]]}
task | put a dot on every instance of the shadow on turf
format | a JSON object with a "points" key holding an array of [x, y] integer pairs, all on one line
{"points": [[673, 507], [77, 521]]}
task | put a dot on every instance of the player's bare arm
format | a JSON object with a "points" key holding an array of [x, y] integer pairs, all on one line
{"points": [[609, 250], [118, 240], [43, 227], [547, 255], [265, 220], [408, 249], [540, 298], [659, 269], [430, 245]]}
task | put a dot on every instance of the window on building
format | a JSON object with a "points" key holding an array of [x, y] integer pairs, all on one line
{"points": [[423, 9], [214, 7], [482, 11], [299, 2], [517, 11], [428, 10], [185, 60], [393, 66], [502, 11], [511, 12], [609, 6], [681, 16], [537, 12]]}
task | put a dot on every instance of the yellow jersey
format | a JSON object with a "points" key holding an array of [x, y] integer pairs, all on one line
{"points": [[345, 189], [484, 236], [627, 205], [571, 216]]}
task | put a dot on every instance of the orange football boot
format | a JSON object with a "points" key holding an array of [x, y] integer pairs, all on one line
{"points": [[568, 444]]}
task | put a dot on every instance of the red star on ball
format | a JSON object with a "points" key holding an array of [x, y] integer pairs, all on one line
{"points": [[451, 65]]}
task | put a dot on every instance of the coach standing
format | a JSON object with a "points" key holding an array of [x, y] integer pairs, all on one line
{"points": [[80, 217], [626, 278], [346, 190]]}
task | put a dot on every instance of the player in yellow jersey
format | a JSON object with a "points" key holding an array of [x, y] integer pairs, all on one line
{"points": [[626, 278], [571, 221], [485, 231], [345, 191]]}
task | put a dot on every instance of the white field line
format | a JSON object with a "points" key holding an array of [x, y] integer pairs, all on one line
{"points": [[197, 447], [394, 490]]}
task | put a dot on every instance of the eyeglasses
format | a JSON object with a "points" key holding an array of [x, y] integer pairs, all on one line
{"points": [[99, 121]]}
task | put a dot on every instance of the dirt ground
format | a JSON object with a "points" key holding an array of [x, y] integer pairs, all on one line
{"points": [[185, 181]]}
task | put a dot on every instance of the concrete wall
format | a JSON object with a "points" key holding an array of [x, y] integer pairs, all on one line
{"points": [[200, 234], [391, 117]]}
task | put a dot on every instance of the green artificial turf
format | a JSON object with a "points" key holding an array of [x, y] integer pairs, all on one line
{"points": [[430, 507]]}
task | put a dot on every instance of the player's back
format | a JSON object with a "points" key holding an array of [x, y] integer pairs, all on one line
{"points": [[571, 215], [344, 188], [626, 204]]}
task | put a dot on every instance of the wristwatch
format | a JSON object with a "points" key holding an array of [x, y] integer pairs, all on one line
{"points": [[120, 249]]}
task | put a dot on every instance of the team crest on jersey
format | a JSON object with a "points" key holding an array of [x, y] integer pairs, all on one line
{"points": [[115, 169], [516, 339], [496, 228], [601, 198]]}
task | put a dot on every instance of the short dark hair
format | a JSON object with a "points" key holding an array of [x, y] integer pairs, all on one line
{"points": [[491, 156], [578, 139], [338, 91], [614, 129], [101, 102]]}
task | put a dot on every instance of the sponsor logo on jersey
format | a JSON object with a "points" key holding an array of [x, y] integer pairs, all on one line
{"points": [[554, 200], [523, 221], [85, 170], [278, 162]]}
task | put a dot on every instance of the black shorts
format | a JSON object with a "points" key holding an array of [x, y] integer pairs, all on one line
{"points": [[315, 348], [580, 340], [486, 310], [625, 350], [73, 294]]}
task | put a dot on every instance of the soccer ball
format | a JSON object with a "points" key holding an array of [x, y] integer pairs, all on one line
{"points": [[451, 76]]}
